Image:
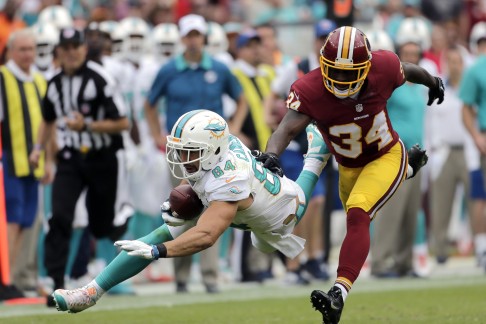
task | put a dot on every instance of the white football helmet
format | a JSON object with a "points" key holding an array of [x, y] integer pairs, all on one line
{"points": [[117, 40], [46, 39], [56, 15], [477, 32], [166, 40], [108, 26], [217, 39], [136, 32], [379, 40], [199, 136], [414, 30]]}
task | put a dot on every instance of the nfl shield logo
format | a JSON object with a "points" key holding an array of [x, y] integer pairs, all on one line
{"points": [[359, 107]]}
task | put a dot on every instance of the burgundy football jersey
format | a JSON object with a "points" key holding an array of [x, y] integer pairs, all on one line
{"points": [[358, 130]]}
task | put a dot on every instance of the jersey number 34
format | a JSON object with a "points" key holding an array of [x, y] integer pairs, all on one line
{"points": [[379, 131]]}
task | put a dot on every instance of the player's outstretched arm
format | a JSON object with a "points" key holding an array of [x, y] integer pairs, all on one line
{"points": [[210, 226], [416, 74], [291, 125]]}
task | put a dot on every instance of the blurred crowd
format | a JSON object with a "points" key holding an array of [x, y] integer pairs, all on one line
{"points": [[144, 45]]}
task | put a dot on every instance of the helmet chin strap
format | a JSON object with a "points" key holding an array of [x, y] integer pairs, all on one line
{"points": [[353, 96], [341, 94], [196, 175]]}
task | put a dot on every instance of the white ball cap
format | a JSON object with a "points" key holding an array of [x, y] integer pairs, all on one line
{"points": [[192, 22]]}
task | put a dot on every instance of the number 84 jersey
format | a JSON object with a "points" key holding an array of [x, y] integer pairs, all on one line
{"points": [[356, 129], [238, 176]]}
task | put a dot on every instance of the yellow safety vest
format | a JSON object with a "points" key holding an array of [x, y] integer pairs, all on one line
{"points": [[255, 102], [23, 108]]}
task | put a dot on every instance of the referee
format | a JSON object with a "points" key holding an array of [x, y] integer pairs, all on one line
{"points": [[84, 104]]}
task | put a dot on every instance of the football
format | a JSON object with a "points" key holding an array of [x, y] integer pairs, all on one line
{"points": [[185, 203]]}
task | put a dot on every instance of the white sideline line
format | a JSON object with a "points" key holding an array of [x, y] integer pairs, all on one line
{"points": [[243, 292]]}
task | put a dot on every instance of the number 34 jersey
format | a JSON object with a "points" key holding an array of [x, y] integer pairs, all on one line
{"points": [[357, 130], [272, 215]]}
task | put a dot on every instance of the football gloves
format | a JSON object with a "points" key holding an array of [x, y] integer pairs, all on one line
{"points": [[270, 161], [417, 158], [138, 248], [169, 217], [436, 92]]}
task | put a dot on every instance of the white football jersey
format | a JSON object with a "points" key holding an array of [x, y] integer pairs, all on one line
{"points": [[116, 69], [271, 218], [144, 77]]}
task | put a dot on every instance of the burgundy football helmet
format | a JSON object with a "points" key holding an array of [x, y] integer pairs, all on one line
{"points": [[345, 61]]}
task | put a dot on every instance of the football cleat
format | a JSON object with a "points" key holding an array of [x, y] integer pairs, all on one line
{"points": [[212, 288], [417, 158], [317, 148], [330, 305], [316, 270], [181, 288], [76, 300]]}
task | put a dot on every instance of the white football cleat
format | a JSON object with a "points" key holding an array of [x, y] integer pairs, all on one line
{"points": [[75, 300]]}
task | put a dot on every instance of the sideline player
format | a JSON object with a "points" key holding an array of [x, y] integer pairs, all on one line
{"points": [[347, 98], [237, 192]]}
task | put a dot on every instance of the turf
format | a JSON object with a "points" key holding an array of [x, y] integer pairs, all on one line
{"points": [[414, 301]]}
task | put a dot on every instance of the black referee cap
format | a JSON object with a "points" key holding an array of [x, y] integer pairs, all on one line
{"points": [[71, 35]]}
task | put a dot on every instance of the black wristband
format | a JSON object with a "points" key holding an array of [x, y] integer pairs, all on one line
{"points": [[162, 250]]}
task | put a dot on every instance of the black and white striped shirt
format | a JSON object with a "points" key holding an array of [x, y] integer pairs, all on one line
{"points": [[92, 92]]}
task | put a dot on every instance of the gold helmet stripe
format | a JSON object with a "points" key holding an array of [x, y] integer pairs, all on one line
{"points": [[346, 44], [351, 43], [340, 44]]}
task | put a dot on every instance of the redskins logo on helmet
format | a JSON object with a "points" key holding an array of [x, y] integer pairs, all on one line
{"points": [[345, 61]]}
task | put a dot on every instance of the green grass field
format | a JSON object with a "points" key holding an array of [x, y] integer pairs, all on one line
{"points": [[455, 299]]}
